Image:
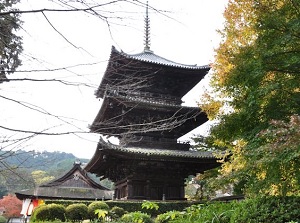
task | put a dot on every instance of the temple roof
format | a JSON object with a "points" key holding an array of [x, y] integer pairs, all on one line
{"points": [[75, 184], [128, 114], [107, 154], [153, 58], [154, 73], [164, 153]]}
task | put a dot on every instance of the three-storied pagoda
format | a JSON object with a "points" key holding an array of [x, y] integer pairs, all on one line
{"points": [[142, 107]]}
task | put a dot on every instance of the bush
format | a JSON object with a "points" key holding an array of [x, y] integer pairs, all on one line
{"points": [[2, 219], [150, 208], [116, 212], [217, 212], [268, 209], [56, 212], [262, 210], [92, 207], [164, 206], [50, 212], [167, 217], [41, 213], [136, 217], [76, 212]]}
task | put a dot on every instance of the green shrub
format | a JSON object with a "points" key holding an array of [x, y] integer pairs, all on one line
{"points": [[164, 206], [2, 219], [268, 209], [116, 212], [92, 207], [150, 208], [56, 212], [50, 212], [76, 212], [136, 217], [217, 212], [41, 213], [167, 217]]}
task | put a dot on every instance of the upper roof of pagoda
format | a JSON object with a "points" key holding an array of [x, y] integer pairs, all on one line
{"points": [[149, 56], [153, 72]]}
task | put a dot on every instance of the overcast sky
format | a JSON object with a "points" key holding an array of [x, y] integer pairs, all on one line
{"points": [[75, 46]]}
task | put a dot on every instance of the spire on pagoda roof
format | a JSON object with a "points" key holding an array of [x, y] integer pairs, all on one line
{"points": [[147, 31]]}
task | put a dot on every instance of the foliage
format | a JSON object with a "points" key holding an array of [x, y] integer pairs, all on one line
{"points": [[56, 212], [50, 212], [76, 212], [41, 177], [66, 203], [2, 219], [96, 205], [40, 213], [256, 76], [101, 214], [261, 209], [11, 44], [268, 209], [131, 206], [168, 216], [213, 212], [116, 212], [150, 207], [136, 217], [12, 205]]}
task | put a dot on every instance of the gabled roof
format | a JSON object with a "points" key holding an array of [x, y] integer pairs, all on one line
{"points": [[76, 177], [75, 184]]}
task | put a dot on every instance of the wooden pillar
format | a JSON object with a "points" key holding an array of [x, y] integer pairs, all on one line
{"points": [[129, 188], [148, 190]]}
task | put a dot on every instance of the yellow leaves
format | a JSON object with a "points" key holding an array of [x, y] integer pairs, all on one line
{"points": [[261, 175], [237, 160], [210, 105], [41, 177]]}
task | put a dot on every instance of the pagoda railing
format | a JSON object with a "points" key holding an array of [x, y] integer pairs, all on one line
{"points": [[146, 96]]}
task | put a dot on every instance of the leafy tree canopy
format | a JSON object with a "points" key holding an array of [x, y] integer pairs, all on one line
{"points": [[10, 44], [256, 75]]}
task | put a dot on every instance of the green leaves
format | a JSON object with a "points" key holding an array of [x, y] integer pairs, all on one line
{"points": [[257, 73]]}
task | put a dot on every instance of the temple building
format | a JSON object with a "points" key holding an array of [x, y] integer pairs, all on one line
{"points": [[141, 106], [75, 184]]}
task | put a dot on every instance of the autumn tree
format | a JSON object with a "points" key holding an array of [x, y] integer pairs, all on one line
{"points": [[256, 78], [12, 205]]}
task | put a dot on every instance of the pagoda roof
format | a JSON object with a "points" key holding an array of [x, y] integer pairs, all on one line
{"points": [[109, 119], [150, 57], [75, 184], [98, 162], [165, 76]]}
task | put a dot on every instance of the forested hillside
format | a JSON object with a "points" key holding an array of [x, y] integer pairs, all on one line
{"points": [[51, 162], [22, 170]]}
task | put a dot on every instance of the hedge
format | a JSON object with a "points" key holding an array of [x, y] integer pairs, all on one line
{"points": [[48, 212], [259, 210], [77, 212], [268, 209], [131, 206]]}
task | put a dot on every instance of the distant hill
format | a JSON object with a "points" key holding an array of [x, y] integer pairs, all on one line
{"points": [[46, 161]]}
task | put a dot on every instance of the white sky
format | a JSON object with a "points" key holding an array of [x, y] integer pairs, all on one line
{"points": [[186, 33]]}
